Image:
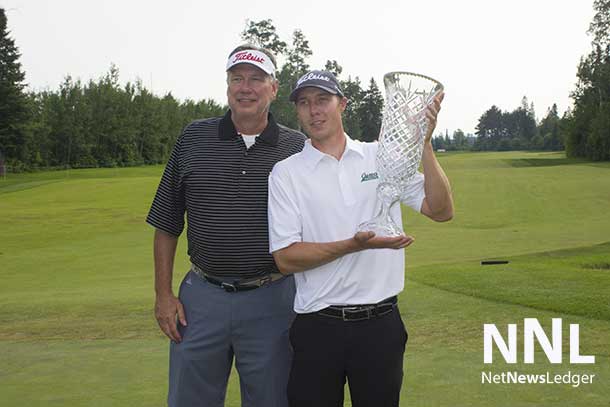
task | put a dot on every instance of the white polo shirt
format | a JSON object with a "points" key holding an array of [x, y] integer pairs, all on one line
{"points": [[313, 197]]}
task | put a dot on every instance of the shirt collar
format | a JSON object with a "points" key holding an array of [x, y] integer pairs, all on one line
{"points": [[355, 146], [313, 156], [270, 135]]}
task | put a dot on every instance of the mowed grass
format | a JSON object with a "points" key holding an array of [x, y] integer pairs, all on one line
{"points": [[76, 298]]}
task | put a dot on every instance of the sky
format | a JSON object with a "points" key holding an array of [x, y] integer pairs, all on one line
{"points": [[485, 52]]}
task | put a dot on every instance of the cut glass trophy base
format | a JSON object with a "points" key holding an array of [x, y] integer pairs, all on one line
{"points": [[381, 226]]}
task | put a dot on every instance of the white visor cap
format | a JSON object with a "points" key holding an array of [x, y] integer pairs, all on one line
{"points": [[252, 57]]}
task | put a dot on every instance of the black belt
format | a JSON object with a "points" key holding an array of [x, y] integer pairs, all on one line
{"points": [[237, 285], [359, 312]]}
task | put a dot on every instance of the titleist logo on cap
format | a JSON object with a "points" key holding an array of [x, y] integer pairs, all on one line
{"points": [[252, 57], [312, 76], [247, 56], [318, 79]]}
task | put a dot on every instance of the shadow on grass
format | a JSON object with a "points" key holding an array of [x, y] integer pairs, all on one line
{"points": [[4, 189], [544, 162], [597, 266]]}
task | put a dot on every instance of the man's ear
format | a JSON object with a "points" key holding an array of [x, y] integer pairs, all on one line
{"points": [[275, 86], [343, 103]]}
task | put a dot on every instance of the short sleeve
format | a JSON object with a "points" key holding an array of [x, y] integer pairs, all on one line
{"points": [[414, 193], [168, 207], [285, 223]]}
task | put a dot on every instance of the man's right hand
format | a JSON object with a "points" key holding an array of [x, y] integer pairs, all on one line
{"points": [[368, 240], [167, 307]]}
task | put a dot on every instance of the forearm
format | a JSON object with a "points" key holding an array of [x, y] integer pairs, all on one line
{"points": [[436, 186], [164, 253], [303, 256]]}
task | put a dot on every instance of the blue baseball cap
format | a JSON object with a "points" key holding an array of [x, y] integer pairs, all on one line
{"points": [[318, 79]]}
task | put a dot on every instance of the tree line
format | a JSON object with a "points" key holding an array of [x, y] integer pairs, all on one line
{"points": [[499, 130], [518, 129], [101, 123]]}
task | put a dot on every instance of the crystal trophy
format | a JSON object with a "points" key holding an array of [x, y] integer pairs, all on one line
{"points": [[401, 141]]}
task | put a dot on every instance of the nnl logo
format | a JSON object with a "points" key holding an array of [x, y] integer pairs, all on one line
{"points": [[531, 329]]}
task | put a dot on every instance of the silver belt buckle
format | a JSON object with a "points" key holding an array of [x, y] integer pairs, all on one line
{"points": [[228, 287], [368, 313], [264, 280]]}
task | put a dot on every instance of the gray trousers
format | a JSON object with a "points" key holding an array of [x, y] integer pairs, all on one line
{"points": [[250, 326]]}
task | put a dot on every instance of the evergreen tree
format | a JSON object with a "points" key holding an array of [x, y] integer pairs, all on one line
{"points": [[296, 65], [549, 130], [490, 129], [354, 94], [14, 109], [459, 140], [333, 67], [587, 126], [262, 33], [600, 26], [370, 112], [298, 54], [498, 130]]}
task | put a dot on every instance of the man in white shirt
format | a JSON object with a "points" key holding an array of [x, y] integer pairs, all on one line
{"points": [[347, 323]]}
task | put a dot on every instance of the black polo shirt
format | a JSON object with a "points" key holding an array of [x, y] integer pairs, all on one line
{"points": [[222, 187]]}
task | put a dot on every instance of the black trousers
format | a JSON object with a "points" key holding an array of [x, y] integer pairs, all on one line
{"points": [[327, 351]]}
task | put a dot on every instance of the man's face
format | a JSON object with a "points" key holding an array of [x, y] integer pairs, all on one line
{"points": [[250, 91], [319, 113]]}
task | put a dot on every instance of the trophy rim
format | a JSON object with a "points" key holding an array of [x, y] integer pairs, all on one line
{"points": [[441, 86]]}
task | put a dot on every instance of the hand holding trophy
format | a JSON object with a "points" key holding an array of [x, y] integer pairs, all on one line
{"points": [[401, 142]]}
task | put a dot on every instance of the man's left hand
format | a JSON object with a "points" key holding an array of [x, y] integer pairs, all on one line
{"points": [[368, 240], [431, 113]]}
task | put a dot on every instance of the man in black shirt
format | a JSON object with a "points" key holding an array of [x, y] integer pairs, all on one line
{"points": [[233, 303]]}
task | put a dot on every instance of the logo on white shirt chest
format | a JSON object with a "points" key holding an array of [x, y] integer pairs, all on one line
{"points": [[368, 176]]}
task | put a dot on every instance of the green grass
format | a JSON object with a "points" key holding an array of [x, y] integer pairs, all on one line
{"points": [[76, 321], [564, 281]]}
